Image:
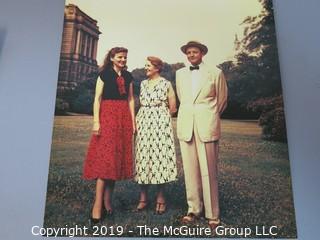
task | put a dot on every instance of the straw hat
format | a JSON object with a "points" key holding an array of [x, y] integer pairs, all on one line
{"points": [[203, 48]]}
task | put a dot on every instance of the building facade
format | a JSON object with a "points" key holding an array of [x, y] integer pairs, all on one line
{"points": [[78, 50]]}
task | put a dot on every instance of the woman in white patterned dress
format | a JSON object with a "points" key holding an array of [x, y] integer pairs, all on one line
{"points": [[155, 152]]}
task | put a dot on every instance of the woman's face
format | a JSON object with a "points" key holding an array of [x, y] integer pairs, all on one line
{"points": [[150, 69], [119, 60]]}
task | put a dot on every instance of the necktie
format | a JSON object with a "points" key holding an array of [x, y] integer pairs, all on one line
{"points": [[194, 68]]}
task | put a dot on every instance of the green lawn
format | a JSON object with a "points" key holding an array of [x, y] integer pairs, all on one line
{"points": [[254, 182]]}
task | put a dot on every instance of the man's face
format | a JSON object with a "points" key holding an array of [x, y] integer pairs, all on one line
{"points": [[194, 55]]}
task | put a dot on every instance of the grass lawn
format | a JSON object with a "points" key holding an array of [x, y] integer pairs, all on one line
{"points": [[254, 183]]}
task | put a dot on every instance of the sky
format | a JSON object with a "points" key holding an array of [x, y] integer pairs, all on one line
{"points": [[160, 27]]}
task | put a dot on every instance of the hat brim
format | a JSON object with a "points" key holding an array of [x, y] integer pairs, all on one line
{"points": [[202, 47]]}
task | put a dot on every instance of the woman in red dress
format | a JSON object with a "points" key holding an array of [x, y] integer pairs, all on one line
{"points": [[109, 156]]}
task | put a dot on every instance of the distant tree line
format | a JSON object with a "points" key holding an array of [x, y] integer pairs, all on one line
{"points": [[80, 100]]}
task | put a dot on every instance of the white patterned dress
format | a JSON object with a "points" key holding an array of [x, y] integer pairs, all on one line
{"points": [[154, 152]]}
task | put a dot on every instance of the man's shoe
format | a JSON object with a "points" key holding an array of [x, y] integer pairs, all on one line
{"points": [[213, 223], [189, 218]]}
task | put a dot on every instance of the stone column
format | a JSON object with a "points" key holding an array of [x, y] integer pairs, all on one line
{"points": [[85, 45], [90, 47], [78, 41], [95, 49]]}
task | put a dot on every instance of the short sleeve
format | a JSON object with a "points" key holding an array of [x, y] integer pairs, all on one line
{"points": [[102, 76]]}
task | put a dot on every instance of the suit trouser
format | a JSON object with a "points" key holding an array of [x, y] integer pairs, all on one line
{"points": [[200, 160]]}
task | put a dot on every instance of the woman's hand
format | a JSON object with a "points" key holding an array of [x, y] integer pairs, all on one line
{"points": [[96, 128], [134, 128]]}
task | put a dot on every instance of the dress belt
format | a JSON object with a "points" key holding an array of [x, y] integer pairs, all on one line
{"points": [[156, 105]]}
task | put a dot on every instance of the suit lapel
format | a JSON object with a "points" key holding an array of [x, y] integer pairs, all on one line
{"points": [[187, 84], [203, 79]]}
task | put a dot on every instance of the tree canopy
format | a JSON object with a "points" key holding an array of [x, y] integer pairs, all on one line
{"points": [[254, 73]]}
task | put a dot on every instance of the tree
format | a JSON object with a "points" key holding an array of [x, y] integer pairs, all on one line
{"points": [[254, 75], [255, 71], [271, 118], [260, 39], [78, 100]]}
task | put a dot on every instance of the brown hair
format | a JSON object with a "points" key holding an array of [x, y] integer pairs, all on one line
{"points": [[107, 60], [157, 62]]}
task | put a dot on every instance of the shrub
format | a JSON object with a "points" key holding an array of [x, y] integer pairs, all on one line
{"points": [[83, 103], [272, 118], [61, 107]]}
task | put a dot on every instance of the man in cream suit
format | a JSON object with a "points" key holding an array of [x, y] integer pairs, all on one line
{"points": [[202, 91]]}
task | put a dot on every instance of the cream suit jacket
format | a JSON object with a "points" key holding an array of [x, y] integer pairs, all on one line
{"points": [[203, 108]]}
